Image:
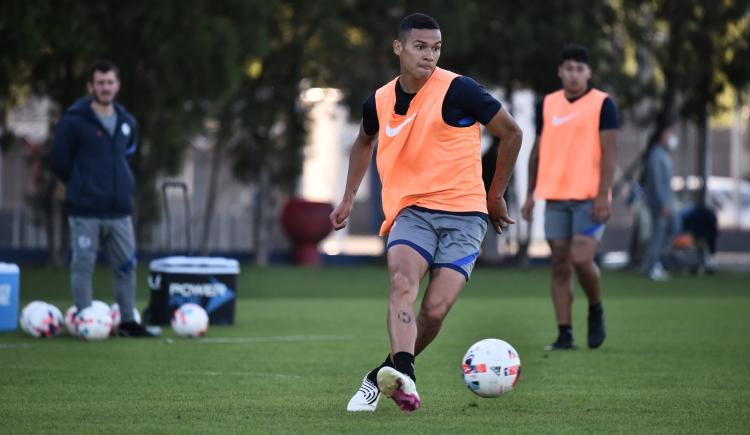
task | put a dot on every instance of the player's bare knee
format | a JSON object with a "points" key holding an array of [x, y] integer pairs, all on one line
{"points": [[582, 258], [402, 284], [583, 263], [582, 251]]}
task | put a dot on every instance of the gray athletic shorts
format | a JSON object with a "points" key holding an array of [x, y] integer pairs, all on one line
{"points": [[563, 219], [444, 239]]}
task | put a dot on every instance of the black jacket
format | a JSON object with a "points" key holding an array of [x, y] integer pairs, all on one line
{"points": [[93, 164]]}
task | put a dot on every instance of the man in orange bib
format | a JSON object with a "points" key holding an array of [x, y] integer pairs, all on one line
{"points": [[426, 122], [571, 167]]}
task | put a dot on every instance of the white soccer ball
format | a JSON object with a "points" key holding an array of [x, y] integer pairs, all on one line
{"points": [[70, 315], [491, 368], [33, 305], [190, 320], [117, 318], [94, 323], [40, 319], [102, 306]]}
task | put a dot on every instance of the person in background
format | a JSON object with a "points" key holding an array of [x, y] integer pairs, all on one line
{"points": [[700, 222], [660, 200], [571, 166], [93, 141]]}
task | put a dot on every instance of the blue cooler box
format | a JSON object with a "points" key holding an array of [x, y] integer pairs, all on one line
{"points": [[9, 289], [210, 282]]}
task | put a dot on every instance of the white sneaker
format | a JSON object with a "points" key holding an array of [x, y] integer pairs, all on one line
{"points": [[366, 398], [399, 387], [657, 273]]}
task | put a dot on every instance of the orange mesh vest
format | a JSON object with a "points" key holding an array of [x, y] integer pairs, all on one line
{"points": [[570, 148], [421, 159]]}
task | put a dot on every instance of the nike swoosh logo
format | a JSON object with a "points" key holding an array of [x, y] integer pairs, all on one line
{"points": [[560, 120], [391, 132]]}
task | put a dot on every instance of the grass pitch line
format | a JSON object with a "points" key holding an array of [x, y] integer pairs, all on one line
{"points": [[278, 338], [14, 346], [254, 374]]}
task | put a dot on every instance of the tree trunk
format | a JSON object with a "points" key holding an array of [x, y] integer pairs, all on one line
{"points": [[53, 220], [704, 156], [260, 229], [208, 210]]}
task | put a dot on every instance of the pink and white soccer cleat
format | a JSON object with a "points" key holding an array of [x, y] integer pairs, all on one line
{"points": [[400, 388]]}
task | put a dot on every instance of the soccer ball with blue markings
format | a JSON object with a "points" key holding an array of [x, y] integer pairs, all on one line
{"points": [[40, 319], [71, 316], [93, 323], [190, 320], [491, 368]]}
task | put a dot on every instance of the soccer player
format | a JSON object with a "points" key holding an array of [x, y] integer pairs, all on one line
{"points": [[571, 167], [436, 210]]}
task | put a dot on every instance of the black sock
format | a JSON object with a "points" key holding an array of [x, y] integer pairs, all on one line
{"points": [[373, 375], [595, 308], [565, 332], [404, 362]]}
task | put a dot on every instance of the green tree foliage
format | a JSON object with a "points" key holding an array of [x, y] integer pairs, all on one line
{"points": [[692, 49], [20, 48], [504, 44], [176, 58], [688, 53]]}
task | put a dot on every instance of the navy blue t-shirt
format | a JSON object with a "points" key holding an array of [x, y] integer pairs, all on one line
{"points": [[465, 103], [608, 118]]}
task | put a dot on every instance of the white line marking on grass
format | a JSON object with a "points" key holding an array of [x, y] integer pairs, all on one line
{"points": [[278, 338], [14, 346], [275, 375]]}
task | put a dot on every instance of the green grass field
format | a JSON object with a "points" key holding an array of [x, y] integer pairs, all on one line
{"points": [[677, 360]]}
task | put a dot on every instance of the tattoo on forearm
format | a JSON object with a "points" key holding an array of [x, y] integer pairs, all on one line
{"points": [[404, 317]]}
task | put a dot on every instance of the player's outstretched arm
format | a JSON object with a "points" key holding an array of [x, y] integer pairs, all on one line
{"points": [[505, 128], [359, 160]]}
